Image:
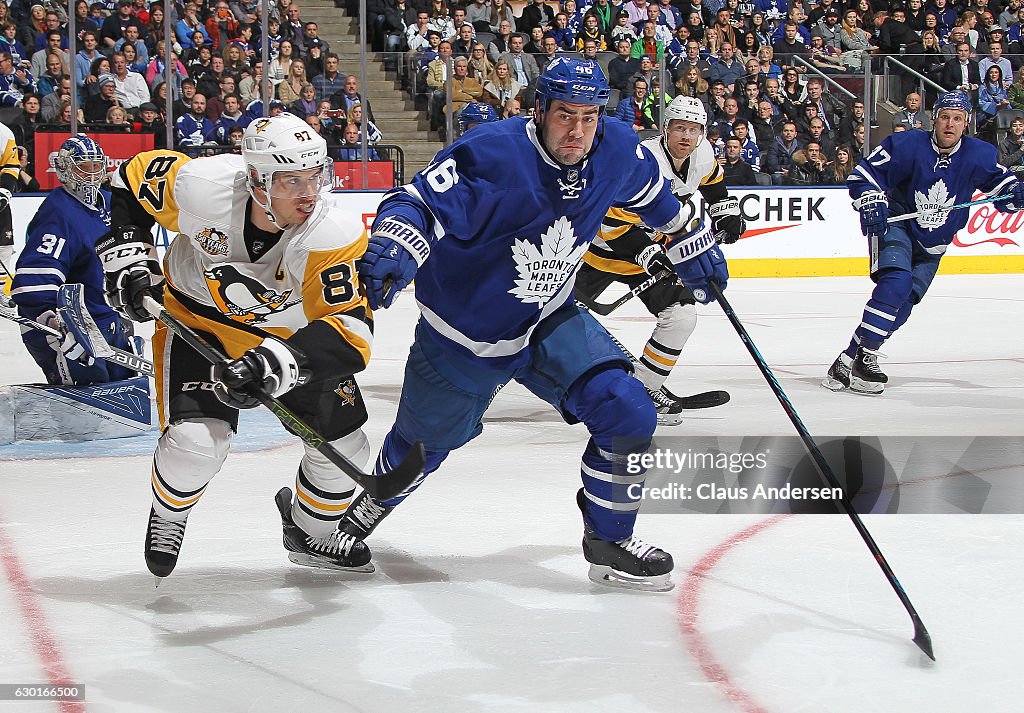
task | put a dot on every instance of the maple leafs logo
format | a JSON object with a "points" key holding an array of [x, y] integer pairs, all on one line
{"points": [[543, 271], [938, 200]]}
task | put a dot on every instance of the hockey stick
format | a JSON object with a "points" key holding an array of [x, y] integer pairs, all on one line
{"points": [[9, 311], [946, 209], [921, 636], [704, 399], [606, 309], [79, 322], [379, 487]]}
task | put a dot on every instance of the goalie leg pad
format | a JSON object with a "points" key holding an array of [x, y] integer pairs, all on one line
{"points": [[322, 491], [621, 418], [188, 455]]}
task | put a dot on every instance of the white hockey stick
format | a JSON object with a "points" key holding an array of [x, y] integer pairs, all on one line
{"points": [[946, 209], [79, 322]]}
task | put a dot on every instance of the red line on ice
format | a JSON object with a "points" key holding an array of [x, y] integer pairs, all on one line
{"points": [[43, 640], [689, 614]]}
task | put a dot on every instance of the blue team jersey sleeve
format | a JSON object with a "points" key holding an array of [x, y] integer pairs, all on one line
{"points": [[872, 172], [997, 178], [646, 192], [44, 265]]}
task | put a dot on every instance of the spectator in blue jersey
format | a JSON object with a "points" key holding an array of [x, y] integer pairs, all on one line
{"points": [[494, 256], [58, 250], [748, 147], [352, 149], [15, 82], [231, 116], [193, 128]]}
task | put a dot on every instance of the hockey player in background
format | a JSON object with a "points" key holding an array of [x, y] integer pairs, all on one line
{"points": [[494, 244], [59, 249], [687, 160], [10, 167], [266, 270], [914, 171]]}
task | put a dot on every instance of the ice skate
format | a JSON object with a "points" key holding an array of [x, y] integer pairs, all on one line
{"points": [[363, 516], [163, 543], [845, 375], [670, 410], [338, 550], [865, 367], [627, 564]]}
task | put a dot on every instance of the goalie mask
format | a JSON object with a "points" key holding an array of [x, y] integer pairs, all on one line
{"points": [[284, 158], [81, 168]]}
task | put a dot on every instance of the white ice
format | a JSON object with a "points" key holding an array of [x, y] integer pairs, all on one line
{"points": [[481, 600]]}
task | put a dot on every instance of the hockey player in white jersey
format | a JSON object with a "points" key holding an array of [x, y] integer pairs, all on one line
{"points": [[262, 267], [494, 245], [623, 247], [914, 171]]}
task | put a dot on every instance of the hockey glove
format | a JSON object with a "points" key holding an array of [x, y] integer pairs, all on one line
{"points": [[386, 269], [874, 213], [700, 269], [727, 220], [273, 368], [5, 199], [654, 260], [68, 345], [131, 271], [1016, 199]]}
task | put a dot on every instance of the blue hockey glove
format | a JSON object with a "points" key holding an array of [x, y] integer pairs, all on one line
{"points": [[874, 213], [699, 270], [386, 269], [1016, 201]]}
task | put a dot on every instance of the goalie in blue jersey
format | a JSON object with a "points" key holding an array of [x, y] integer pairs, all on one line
{"points": [[493, 232], [914, 171], [59, 249]]}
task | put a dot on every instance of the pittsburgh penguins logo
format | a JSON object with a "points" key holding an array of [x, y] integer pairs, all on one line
{"points": [[347, 391], [244, 298], [213, 241], [261, 125]]}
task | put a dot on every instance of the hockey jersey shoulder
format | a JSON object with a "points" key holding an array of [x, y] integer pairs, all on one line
{"points": [[151, 178]]}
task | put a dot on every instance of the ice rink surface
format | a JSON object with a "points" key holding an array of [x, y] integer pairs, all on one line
{"points": [[481, 601]]}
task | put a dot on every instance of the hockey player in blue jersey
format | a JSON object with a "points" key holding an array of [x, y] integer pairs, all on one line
{"points": [[909, 172], [493, 231], [59, 249]]}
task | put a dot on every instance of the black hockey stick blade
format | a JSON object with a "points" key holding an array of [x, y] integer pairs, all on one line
{"points": [[705, 399], [921, 636], [380, 487], [606, 309]]}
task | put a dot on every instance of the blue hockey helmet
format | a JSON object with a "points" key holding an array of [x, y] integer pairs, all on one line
{"points": [[81, 168], [576, 81], [476, 113], [956, 99]]}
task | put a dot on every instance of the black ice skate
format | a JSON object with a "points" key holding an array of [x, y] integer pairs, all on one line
{"points": [[338, 550], [854, 375], [163, 543], [363, 516], [670, 410], [627, 564]]}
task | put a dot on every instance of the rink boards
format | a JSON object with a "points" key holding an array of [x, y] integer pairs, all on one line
{"points": [[791, 232]]}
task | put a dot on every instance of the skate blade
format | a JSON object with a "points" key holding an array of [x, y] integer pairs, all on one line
{"points": [[610, 577], [670, 419], [862, 388], [320, 563]]}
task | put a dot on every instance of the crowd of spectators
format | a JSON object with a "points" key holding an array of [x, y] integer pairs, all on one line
{"points": [[767, 111], [746, 60]]}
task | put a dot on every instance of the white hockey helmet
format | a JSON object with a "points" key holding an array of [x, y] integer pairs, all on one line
{"points": [[285, 144], [687, 109]]}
